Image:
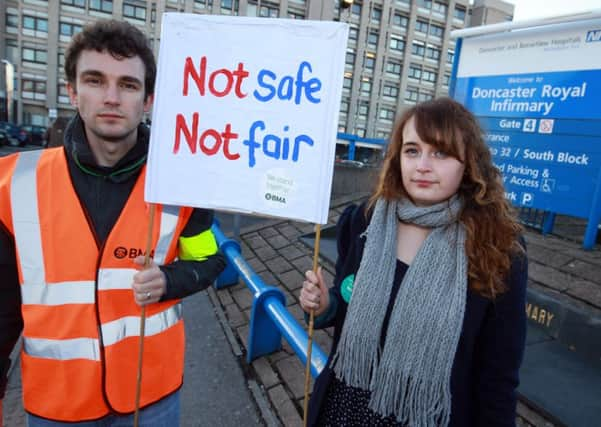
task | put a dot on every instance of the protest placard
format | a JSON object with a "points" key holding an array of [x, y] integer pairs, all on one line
{"points": [[245, 114]]}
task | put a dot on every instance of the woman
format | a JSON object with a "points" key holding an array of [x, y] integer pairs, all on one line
{"points": [[428, 302]]}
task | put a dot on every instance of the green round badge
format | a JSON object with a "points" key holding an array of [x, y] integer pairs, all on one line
{"points": [[346, 287]]}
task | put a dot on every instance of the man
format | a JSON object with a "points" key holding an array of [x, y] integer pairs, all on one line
{"points": [[73, 229]]}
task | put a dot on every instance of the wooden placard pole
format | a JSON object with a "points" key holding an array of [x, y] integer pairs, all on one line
{"points": [[147, 261], [310, 332]]}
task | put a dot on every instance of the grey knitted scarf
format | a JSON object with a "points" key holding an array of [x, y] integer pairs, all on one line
{"points": [[410, 378]]}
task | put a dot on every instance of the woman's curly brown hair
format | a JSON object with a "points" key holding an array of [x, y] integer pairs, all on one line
{"points": [[492, 230]]}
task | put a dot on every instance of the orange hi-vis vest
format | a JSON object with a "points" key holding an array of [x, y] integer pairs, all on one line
{"points": [[81, 323]]}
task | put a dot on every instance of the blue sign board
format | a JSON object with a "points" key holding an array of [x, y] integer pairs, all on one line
{"points": [[537, 94]]}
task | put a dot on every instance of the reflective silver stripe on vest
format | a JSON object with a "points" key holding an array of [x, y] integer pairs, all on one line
{"points": [[117, 330], [69, 349], [26, 221], [59, 293], [169, 217], [115, 278]]}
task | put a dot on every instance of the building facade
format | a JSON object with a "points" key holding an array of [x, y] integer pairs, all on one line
{"points": [[486, 12], [399, 52]]}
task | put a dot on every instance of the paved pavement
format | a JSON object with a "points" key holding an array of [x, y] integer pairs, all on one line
{"points": [[216, 390]]}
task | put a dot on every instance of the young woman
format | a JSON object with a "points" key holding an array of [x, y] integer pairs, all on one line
{"points": [[428, 302]]}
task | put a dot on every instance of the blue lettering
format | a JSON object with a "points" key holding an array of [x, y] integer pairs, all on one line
{"points": [[593, 36], [312, 85], [252, 143], [276, 149], [262, 83], [274, 146], [297, 141], [285, 88]]}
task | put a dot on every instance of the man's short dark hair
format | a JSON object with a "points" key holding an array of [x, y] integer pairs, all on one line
{"points": [[119, 38]]}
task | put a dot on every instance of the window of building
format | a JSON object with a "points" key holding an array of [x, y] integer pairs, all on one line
{"points": [[12, 20], [370, 61], [101, 5], [35, 23], [61, 89], [33, 86], [12, 50], [360, 132], [75, 3], [400, 20], [424, 96], [394, 67], [269, 11], [459, 13], [363, 110], [429, 76], [418, 48], [229, 7], [347, 83], [436, 30], [450, 56], [411, 94], [365, 86], [68, 29], [38, 56], [293, 14], [203, 4], [397, 44], [353, 33], [390, 91], [386, 114], [426, 4], [344, 105], [372, 39], [376, 14], [133, 11], [433, 53], [421, 26], [350, 58], [356, 10], [415, 71], [445, 79], [439, 7]]}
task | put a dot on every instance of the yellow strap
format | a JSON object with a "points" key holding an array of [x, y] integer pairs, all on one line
{"points": [[197, 248]]}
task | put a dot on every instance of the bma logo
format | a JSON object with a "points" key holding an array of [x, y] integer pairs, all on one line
{"points": [[121, 252], [593, 36]]}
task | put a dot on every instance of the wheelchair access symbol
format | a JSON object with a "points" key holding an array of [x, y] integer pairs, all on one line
{"points": [[548, 185]]}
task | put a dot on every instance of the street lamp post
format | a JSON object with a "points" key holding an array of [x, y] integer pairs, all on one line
{"points": [[7, 88]]}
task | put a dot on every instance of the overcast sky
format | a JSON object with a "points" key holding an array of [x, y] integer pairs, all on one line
{"points": [[532, 9]]}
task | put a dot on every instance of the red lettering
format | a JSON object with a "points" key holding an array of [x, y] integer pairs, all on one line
{"points": [[191, 138], [228, 85], [228, 135], [198, 76], [215, 135], [199, 79], [241, 74]]}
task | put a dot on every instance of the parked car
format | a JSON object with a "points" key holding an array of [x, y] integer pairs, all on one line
{"points": [[3, 137], [17, 137], [36, 135], [354, 163]]}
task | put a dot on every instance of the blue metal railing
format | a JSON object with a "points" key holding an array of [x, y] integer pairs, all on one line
{"points": [[270, 320]]}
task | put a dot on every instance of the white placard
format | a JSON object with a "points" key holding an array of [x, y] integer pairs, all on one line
{"points": [[245, 114]]}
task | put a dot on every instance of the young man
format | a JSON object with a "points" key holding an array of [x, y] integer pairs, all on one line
{"points": [[73, 228]]}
